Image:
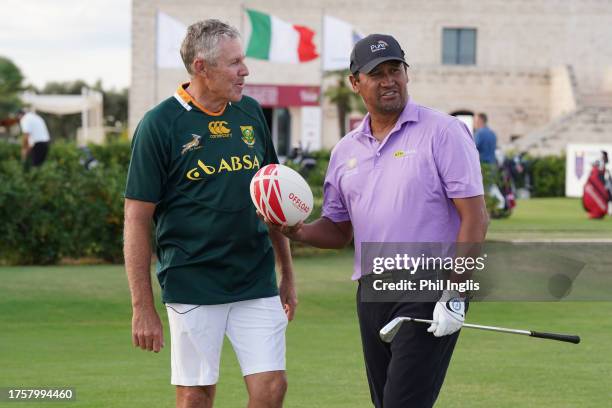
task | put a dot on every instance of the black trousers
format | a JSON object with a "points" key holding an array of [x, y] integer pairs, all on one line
{"points": [[408, 372], [38, 154]]}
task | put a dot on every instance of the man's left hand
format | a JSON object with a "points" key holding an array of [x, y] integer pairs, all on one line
{"points": [[448, 315], [288, 297], [291, 232]]}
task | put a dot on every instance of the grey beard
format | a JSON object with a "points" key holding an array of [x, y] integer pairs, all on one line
{"points": [[392, 108]]}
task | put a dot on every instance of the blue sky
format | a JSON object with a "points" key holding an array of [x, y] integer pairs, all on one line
{"points": [[65, 40]]}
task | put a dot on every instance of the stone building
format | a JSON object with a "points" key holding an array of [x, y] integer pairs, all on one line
{"points": [[540, 69]]}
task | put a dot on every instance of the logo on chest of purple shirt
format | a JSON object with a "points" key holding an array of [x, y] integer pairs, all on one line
{"points": [[350, 166], [400, 154]]}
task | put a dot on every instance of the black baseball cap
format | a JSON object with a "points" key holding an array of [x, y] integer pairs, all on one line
{"points": [[373, 50]]}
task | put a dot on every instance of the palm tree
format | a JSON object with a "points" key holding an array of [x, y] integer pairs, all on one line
{"points": [[344, 98]]}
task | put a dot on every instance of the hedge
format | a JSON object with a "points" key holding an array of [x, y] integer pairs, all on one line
{"points": [[548, 176], [62, 210]]}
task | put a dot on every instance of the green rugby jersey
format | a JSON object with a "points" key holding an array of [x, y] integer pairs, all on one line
{"points": [[197, 166]]}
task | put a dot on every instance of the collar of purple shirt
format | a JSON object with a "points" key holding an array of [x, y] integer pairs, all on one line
{"points": [[410, 113]]}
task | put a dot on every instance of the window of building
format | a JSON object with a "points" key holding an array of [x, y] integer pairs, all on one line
{"points": [[459, 46]]}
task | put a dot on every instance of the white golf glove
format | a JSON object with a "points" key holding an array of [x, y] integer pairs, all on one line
{"points": [[448, 315]]}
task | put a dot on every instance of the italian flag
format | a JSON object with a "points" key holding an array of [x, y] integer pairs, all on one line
{"points": [[276, 40]]}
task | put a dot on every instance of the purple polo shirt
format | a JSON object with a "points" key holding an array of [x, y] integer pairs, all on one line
{"points": [[400, 190]]}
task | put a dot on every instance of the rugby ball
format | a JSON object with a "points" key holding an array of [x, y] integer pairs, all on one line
{"points": [[281, 194]]}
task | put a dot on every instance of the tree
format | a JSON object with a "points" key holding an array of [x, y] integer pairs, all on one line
{"points": [[11, 83], [342, 95], [115, 107]]}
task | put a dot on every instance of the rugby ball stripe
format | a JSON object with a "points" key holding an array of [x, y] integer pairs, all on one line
{"points": [[281, 194]]}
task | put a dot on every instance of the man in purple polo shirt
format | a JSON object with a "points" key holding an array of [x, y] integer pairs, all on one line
{"points": [[407, 174]]}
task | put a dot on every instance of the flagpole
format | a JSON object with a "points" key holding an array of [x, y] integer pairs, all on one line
{"points": [[321, 96]]}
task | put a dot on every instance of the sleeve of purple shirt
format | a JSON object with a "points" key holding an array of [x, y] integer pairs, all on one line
{"points": [[334, 207], [457, 162]]}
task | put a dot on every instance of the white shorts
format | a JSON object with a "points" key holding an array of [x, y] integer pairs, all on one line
{"points": [[256, 329]]}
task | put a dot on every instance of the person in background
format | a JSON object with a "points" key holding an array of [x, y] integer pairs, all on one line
{"points": [[486, 140], [35, 144]]}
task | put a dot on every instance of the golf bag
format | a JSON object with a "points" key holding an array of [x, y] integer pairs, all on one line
{"points": [[506, 186], [596, 194]]}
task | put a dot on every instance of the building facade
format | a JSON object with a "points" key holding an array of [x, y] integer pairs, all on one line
{"points": [[528, 64]]}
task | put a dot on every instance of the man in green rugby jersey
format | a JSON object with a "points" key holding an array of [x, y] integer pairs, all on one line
{"points": [[193, 156]]}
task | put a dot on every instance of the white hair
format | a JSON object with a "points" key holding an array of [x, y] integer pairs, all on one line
{"points": [[202, 41]]}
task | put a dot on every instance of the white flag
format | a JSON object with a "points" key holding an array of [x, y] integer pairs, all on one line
{"points": [[338, 40], [170, 35]]}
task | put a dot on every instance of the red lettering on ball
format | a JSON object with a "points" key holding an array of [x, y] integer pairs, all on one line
{"points": [[298, 203]]}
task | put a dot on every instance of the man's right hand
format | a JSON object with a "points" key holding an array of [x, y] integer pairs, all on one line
{"points": [[147, 331]]}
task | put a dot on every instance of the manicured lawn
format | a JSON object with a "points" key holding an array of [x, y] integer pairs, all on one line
{"points": [[550, 218], [70, 326]]}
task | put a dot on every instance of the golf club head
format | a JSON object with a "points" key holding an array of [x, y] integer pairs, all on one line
{"points": [[388, 332]]}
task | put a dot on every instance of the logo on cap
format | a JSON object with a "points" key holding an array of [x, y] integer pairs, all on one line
{"points": [[379, 46]]}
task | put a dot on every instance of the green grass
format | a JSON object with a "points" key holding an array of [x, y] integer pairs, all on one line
{"points": [[70, 326], [550, 218]]}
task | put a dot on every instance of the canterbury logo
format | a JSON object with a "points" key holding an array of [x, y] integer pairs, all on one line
{"points": [[218, 128]]}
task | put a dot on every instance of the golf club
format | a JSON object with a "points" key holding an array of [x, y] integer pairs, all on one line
{"points": [[388, 332]]}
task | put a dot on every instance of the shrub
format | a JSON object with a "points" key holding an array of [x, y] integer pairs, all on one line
{"points": [[38, 213], [60, 209], [548, 176], [117, 152], [9, 151]]}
